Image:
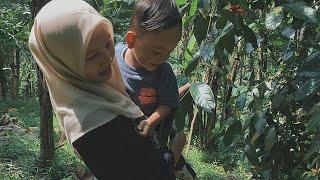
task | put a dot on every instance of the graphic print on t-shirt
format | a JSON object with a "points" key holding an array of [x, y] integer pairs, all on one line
{"points": [[147, 96]]}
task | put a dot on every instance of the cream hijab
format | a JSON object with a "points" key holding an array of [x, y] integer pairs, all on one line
{"points": [[58, 42]]}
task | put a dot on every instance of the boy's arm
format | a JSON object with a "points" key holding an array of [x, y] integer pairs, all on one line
{"points": [[160, 113], [183, 89]]}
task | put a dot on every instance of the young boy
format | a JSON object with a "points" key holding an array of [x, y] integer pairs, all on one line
{"points": [[155, 30]]}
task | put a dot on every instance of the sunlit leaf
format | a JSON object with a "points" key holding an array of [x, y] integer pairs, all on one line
{"points": [[181, 2], [203, 96], [274, 18], [193, 8]]}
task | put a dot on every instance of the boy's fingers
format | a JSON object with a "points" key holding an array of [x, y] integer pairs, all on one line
{"points": [[141, 126]]}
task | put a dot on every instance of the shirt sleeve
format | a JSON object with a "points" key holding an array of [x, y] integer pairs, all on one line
{"points": [[168, 87]]}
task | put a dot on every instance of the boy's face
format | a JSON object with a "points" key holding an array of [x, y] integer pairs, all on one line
{"points": [[153, 48], [100, 54]]}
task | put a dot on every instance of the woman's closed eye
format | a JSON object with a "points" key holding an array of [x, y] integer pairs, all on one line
{"points": [[155, 52]]}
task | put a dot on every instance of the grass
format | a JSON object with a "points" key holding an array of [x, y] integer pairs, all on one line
{"points": [[19, 155], [207, 168]]}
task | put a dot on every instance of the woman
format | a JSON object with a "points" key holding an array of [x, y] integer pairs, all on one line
{"points": [[73, 46]]}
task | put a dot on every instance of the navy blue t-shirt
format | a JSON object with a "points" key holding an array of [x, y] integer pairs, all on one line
{"points": [[148, 89]]}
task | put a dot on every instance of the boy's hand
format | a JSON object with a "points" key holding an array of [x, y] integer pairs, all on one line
{"points": [[144, 128]]}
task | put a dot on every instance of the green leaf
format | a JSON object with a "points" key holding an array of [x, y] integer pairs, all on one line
{"points": [[200, 28], [182, 111], [286, 56], [180, 2], [251, 155], [241, 101], [249, 48], [226, 29], [233, 131], [260, 122], [274, 18], [192, 65], [192, 43], [185, 8], [228, 42], [207, 51], [250, 36], [314, 121], [205, 6], [310, 66], [288, 33], [270, 138], [203, 96], [193, 8], [308, 88], [302, 11]]}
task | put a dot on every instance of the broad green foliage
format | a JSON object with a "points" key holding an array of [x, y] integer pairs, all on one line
{"points": [[261, 61], [254, 69]]}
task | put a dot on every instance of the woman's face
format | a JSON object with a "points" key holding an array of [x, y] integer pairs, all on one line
{"points": [[99, 55]]}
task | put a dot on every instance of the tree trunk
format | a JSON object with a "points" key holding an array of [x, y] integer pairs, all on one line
{"points": [[46, 119], [28, 86], [15, 66], [46, 122], [2, 77], [212, 117]]}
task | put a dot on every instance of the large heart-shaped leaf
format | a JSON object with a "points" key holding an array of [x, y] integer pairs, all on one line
{"points": [[274, 18], [302, 11], [203, 96]]}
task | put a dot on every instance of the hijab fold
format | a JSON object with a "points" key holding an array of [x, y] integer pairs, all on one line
{"points": [[58, 42]]}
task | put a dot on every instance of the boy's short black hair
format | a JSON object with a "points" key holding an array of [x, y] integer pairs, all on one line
{"points": [[155, 15]]}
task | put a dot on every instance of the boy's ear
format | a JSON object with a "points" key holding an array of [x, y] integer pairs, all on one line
{"points": [[130, 39]]}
